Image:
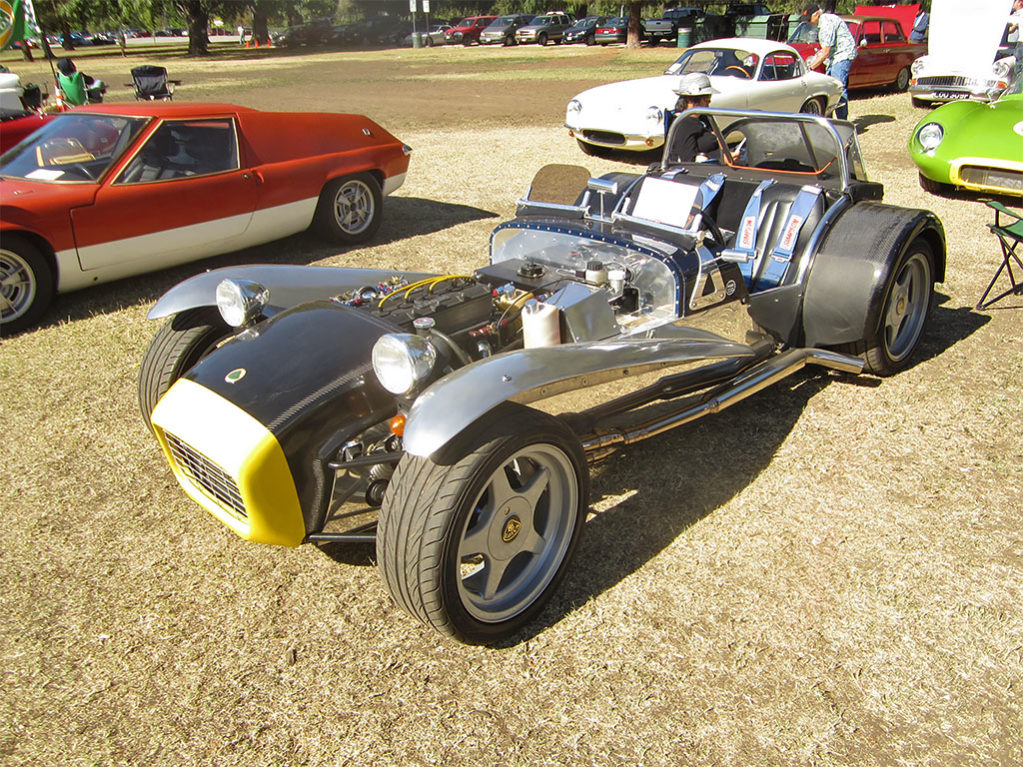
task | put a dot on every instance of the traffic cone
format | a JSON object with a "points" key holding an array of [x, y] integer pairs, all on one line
{"points": [[247, 42]]}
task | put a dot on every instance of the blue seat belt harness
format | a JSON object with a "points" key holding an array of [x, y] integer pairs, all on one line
{"points": [[704, 197], [781, 256], [746, 237]]}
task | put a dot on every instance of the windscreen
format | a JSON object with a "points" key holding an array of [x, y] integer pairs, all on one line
{"points": [[75, 147]]}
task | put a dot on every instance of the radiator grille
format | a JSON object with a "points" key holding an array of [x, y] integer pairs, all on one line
{"points": [[946, 81], [210, 478], [604, 137], [999, 178]]}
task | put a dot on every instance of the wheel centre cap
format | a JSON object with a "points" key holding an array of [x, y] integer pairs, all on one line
{"points": [[510, 530]]}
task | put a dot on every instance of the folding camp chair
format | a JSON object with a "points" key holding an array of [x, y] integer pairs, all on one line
{"points": [[1009, 235], [151, 83]]}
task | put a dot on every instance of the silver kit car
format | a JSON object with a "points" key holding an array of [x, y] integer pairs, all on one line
{"points": [[428, 412]]}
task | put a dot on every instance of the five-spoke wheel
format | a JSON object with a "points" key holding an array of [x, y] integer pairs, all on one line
{"points": [[475, 547]]}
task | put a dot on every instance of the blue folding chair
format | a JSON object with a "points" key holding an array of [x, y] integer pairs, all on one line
{"points": [[1009, 235]]}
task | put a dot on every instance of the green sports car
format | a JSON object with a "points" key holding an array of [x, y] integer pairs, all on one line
{"points": [[972, 145]]}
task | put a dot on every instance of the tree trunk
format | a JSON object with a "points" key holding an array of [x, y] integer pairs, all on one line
{"points": [[65, 43], [198, 19], [635, 34], [260, 33]]}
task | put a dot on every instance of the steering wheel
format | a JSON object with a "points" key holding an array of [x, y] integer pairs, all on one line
{"points": [[741, 70], [80, 170], [708, 221]]}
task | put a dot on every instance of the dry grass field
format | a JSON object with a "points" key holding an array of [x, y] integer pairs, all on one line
{"points": [[830, 573]]}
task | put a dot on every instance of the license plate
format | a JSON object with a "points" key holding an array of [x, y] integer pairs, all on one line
{"points": [[951, 95]]}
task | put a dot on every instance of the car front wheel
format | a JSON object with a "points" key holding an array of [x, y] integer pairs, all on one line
{"points": [[542, 39], [592, 149], [475, 548], [177, 346], [349, 209], [26, 283]]}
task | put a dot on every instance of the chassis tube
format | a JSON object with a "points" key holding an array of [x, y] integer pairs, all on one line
{"points": [[760, 376]]}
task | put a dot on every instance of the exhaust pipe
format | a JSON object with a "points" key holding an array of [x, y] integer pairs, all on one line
{"points": [[601, 444]]}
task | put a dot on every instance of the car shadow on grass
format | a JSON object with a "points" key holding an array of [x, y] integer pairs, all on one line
{"points": [[404, 217], [645, 497], [866, 122]]}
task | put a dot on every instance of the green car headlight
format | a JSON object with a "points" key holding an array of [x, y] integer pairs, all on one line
{"points": [[930, 136]]}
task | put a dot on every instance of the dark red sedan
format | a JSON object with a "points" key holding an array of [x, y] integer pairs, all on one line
{"points": [[885, 54]]}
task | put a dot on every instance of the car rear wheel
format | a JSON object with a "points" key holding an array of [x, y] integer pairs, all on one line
{"points": [[812, 107], [428, 41], [475, 548], [349, 209], [26, 284], [897, 324], [177, 346], [902, 80]]}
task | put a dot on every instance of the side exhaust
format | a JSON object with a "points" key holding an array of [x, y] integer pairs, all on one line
{"points": [[758, 377]]}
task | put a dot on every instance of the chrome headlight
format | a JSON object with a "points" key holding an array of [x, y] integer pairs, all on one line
{"points": [[403, 361], [916, 66], [575, 106], [930, 136], [240, 302], [1001, 69], [654, 114]]}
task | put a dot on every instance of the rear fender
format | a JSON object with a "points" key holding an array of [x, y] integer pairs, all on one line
{"points": [[458, 400], [288, 285], [851, 268]]}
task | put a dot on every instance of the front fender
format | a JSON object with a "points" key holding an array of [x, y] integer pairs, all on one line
{"points": [[288, 285], [456, 401]]}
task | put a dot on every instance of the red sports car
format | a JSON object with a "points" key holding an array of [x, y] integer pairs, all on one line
{"points": [[109, 191], [884, 57]]}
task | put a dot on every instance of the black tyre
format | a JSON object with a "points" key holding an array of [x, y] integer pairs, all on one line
{"points": [[428, 41], [897, 321], [26, 283], [541, 39], [934, 187], [349, 209], [592, 149], [902, 80], [509, 40], [474, 549], [812, 107], [182, 341], [590, 40]]}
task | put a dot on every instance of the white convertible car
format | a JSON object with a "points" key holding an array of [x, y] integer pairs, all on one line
{"points": [[747, 73]]}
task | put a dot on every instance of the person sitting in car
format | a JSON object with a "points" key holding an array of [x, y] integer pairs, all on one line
{"points": [[694, 141]]}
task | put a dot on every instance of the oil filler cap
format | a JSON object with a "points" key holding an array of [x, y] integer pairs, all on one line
{"points": [[531, 270]]}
